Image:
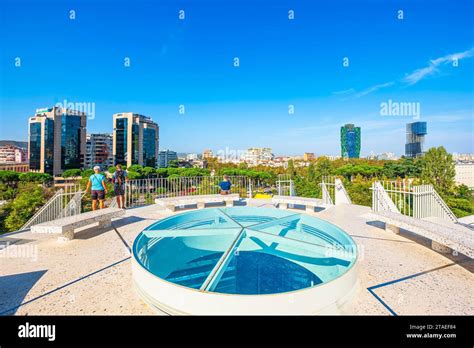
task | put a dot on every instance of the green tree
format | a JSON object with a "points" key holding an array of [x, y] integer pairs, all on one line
{"points": [[87, 173], [359, 190], [133, 175], [35, 177], [9, 176], [291, 168], [462, 191], [69, 173], [324, 167], [437, 168], [24, 206], [311, 172], [243, 165], [173, 164], [148, 171], [7, 192], [136, 168]]}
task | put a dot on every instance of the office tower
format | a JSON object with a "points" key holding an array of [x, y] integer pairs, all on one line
{"points": [[416, 132], [207, 154], [56, 140], [165, 157], [99, 150], [350, 141], [135, 140]]}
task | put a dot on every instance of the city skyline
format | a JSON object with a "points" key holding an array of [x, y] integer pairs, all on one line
{"points": [[283, 63]]}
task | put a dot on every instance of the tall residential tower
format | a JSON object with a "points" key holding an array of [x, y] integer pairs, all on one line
{"points": [[416, 132], [135, 140], [350, 141], [56, 140]]}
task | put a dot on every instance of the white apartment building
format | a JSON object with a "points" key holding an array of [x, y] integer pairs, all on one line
{"points": [[464, 173]]}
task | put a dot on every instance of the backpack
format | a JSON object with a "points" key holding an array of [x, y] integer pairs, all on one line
{"points": [[119, 178]]}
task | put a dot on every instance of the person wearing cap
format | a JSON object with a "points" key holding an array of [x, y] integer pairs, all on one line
{"points": [[98, 189]]}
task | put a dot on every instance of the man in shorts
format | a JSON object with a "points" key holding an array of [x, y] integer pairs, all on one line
{"points": [[119, 179], [98, 189]]}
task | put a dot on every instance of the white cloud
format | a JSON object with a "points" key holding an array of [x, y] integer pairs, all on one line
{"points": [[346, 91], [373, 89], [434, 66], [415, 76]]}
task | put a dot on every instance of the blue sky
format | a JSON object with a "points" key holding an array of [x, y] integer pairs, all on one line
{"points": [[299, 62]]}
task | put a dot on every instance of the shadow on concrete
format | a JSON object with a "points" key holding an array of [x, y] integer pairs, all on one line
{"points": [[14, 288], [378, 224], [90, 232], [94, 231], [127, 220]]}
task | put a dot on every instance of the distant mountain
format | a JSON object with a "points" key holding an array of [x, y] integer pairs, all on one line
{"points": [[23, 144]]}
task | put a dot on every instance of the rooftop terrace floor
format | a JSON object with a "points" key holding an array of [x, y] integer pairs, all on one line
{"points": [[398, 274]]}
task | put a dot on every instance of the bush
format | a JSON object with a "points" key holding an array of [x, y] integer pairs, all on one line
{"points": [[9, 176], [133, 175], [359, 190], [69, 173], [135, 168], [460, 206], [7, 192], [24, 206], [166, 172], [35, 177], [87, 173]]}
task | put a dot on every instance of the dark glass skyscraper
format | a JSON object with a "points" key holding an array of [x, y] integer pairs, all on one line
{"points": [[149, 147], [350, 141], [71, 143], [416, 132], [135, 140], [120, 138], [34, 150], [57, 140]]}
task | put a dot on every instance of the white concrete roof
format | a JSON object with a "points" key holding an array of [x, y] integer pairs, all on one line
{"points": [[399, 274]]}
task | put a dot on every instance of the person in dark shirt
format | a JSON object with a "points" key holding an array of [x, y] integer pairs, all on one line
{"points": [[225, 185], [119, 179]]}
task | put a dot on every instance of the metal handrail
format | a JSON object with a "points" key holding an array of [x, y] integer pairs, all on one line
{"points": [[144, 191], [444, 206], [418, 201], [42, 209], [55, 207]]}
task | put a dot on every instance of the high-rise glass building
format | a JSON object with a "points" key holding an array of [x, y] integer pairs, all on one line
{"points": [[350, 141], [416, 132], [135, 140], [56, 140], [165, 157]]}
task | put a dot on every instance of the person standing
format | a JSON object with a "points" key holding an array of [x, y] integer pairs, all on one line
{"points": [[98, 189], [119, 179], [225, 185]]}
